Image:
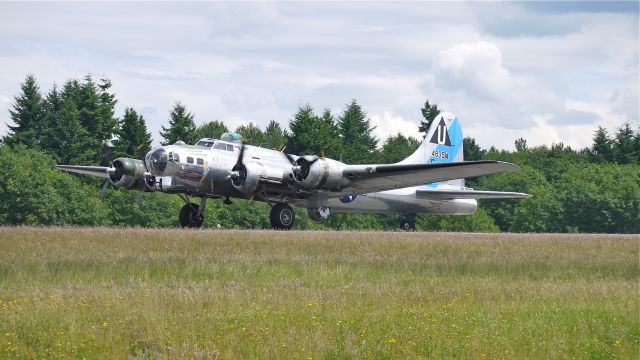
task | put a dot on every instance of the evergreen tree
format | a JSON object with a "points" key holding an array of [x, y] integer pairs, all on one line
{"points": [[96, 110], [330, 132], [623, 145], [27, 115], [429, 113], [52, 107], [107, 122], [274, 136], [181, 127], [133, 139], [472, 151], [88, 105], [397, 148], [72, 90], [251, 134], [358, 142], [211, 129], [636, 144], [68, 140], [602, 150], [313, 135], [304, 126]]}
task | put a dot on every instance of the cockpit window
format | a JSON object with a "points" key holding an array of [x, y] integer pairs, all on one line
{"points": [[219, 146], [229, 147], [206, 143]]}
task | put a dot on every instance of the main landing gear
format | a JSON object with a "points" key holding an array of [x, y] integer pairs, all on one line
{"points": [[282, 217], [408, 222], [191, 214]]}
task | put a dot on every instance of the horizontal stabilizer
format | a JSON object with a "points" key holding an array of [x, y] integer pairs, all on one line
{"points": [[99, 171], [448, 194]]}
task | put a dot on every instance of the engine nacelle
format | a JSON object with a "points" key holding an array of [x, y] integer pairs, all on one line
{"points": [[127, 173], [319, 173], [248, 177], [319, 213]]}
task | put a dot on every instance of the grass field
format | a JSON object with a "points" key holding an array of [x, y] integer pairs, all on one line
{"points": [[124, 293]]}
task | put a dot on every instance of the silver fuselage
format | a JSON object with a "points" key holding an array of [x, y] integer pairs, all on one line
{"points": [[205, 172]]}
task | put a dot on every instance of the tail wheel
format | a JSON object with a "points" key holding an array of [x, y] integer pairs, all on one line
{"points": [[189, 216], [282, 217]]}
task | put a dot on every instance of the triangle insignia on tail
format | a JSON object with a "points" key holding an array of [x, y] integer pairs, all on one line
{"points": [[441, 135]]}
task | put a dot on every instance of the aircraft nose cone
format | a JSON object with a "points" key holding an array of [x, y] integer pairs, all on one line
{"points": [[156, 161]]}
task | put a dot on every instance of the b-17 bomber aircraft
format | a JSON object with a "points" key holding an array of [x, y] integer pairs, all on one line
{"points": [[431, 180]]}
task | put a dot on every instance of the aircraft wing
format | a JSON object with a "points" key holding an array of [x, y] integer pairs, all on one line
{"points": [[449, 194], [99, 171], [373, 178]]}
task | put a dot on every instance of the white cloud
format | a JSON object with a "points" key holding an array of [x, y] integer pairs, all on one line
{"points": [[607, 118], [489, 63], [475, 69], [388, 124]]}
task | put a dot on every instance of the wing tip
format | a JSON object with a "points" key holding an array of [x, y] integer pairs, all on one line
{"points": [[508, 167]]}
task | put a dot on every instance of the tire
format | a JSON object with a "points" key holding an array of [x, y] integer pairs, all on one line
{"points": [[189, 216], [282, 217], [406, 226]]}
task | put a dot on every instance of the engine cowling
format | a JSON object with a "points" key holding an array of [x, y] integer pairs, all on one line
{"points": [[127, 173], [319, 213], [318, 173], [248, 176]]}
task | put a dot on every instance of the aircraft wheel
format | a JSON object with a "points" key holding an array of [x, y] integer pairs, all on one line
{"points": [[189, 216], [282, 217], [406, 225]]}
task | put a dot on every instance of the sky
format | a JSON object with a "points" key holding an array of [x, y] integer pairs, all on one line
{"points": [[546, 71]]}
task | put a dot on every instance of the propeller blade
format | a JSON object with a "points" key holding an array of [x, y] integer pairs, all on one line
{"points": [[240, 155], [103, 189], [107, 152], [314, 160], [290, 159]]}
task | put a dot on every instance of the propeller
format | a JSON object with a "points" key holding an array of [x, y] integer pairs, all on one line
{"points": [[302, 166], [239, 170], [238, 174]]}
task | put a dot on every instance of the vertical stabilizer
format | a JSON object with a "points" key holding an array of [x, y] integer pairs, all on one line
{"points": [[443, 144]]}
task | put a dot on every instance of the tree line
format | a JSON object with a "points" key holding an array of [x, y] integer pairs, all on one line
{"points": [[595, 189]]}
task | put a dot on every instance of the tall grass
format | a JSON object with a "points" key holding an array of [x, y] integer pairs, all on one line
{"points": [[125, 293]]}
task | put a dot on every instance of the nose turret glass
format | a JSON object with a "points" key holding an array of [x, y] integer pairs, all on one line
{"points": [[156, 161]]}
